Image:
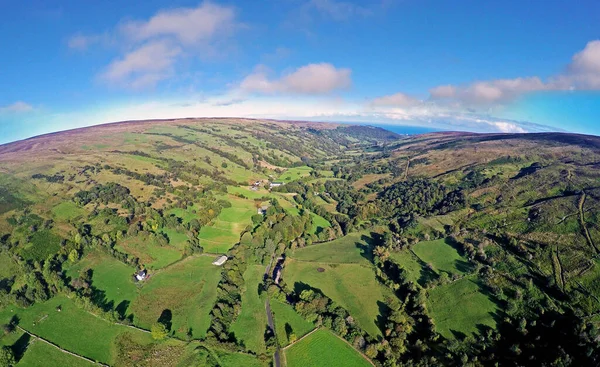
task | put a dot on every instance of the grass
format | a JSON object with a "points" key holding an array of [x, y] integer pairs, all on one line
{"points": [[150, 253], [8, 268], [350, 249], [225, 231], [416, 272], [188, 289], [40, 354], [250, 325], [458, 308], [288, 321], [176, 238], [442, 256], [319, 223], [109, 276], [238, 359], [352, 286], [323, 348], [67, 210], [293, 174], [43, 243], [72, 328]]}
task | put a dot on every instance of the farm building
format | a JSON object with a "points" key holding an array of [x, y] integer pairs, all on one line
{"points": [[263, 209], [275, 184], [220, 260], [141, 275]]}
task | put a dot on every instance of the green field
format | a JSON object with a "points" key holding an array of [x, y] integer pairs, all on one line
{"points": [[150, 253], [187, 289], [8, 267], [249, 327], [109, 276], [42, 244], [323, 348], [95, 340], [226, 229], [177, 239], [442, 257], [459, 307], [415, 269], [40, 354], [238, 360], [353, 286], [293, 174], [67, 210], [351, 249], [319, 223], [288, 321]]}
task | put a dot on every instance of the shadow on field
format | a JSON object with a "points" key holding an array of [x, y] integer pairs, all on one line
{"points": [[20, 346], [370, 241], [166, 318], [122, 308], [384, 311]]}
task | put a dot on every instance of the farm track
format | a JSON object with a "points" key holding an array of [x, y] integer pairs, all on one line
{"points": [[582, 221], [37, 337]]}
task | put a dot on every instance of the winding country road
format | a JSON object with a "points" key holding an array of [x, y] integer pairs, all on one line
{"points": [[276, 356]]}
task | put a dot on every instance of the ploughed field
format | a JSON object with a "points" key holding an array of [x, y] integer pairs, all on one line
{"points": [[370, 248]]}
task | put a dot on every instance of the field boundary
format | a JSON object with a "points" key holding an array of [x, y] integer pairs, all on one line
{"points": [[297, 340], [37, 337], [337, 336]]}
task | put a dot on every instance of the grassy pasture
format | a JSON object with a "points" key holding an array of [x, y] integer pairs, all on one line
{"points": [[441, 256], [177, 239], [67, 210], [319, 223], [95, 340], [413, 266], [323, 348], [351, 249], [249, 327], [109, 276], [8, 268], [227, 227], [40, 354], [149, 252], [286, 318], [353, 286], [293, 174], [457, 308], [188, 289], [42, 244]]}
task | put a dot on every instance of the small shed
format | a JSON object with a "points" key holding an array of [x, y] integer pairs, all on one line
{"points": [[275, 184], [141, 275], [220, 260]]}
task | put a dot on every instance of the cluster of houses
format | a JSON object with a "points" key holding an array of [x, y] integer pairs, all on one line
{"points": [[257, 184]]}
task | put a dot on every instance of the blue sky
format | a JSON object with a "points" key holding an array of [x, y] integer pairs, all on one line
{"points": [[488, 66]]}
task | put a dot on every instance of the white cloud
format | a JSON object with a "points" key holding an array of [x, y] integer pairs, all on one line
{"points": [[154, 47], [144, 66], [187, 25], [397, 99], [583, 73], [17, 107], [309, 79]]}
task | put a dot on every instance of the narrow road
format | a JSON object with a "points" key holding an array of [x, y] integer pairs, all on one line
{"points": [[272, 326]]}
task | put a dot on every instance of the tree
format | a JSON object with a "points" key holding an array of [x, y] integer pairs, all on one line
{"points": [[7, 357], [158, 331], [73, 256]]}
